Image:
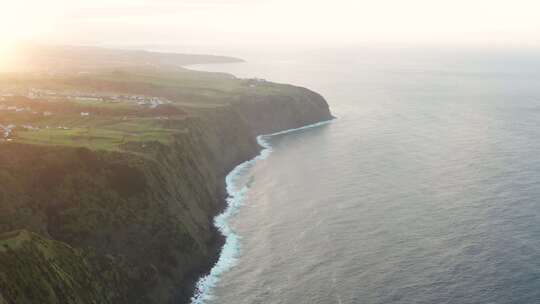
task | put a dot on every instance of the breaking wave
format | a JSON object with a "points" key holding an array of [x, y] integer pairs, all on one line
{"points": [[231, 249]]}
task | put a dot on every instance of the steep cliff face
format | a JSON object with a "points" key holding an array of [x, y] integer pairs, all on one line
{"points": [[273, 113], [47, 271], [130, 227]]}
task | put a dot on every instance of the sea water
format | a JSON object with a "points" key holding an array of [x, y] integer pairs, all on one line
{"points": [[425, 190]]}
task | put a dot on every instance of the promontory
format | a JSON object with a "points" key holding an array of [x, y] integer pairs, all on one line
{"points": [[112, 167]]}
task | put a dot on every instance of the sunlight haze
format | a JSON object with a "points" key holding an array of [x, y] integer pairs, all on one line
{"points": [[241, 22], [269, 151]]}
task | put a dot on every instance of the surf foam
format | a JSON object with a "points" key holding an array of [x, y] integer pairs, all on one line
{"points": [[231, 249]]}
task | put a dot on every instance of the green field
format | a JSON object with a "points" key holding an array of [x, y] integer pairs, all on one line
{"points": [[120, 122]]}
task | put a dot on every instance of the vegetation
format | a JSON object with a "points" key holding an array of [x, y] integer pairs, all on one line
{"points": [[110, 179], [57, 118], [52, 272]]}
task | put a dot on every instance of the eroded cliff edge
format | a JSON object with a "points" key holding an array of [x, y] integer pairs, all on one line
{"points": [[85, 226]]}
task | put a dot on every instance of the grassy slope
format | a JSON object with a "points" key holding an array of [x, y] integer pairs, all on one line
{"points": [[48, 271], [111, 125], [124, 200]]}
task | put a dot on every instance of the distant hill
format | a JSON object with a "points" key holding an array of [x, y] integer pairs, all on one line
{"points": [[69, 58]]}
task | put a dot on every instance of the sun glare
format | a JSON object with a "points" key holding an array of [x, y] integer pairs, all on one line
{"points": [[18, 24], [6, 55], [11, 29]]}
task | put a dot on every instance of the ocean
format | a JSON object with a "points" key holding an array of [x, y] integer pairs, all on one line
{"points": [[426, 189]]}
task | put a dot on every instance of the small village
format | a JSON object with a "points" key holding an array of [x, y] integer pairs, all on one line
{"points": [[8, 129], [46, 94], [6, 132]]}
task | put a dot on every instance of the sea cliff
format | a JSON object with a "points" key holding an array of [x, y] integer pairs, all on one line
{"points": [[133, 225]]}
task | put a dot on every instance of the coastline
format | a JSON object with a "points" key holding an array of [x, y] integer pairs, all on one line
{"points": [[170, 241], [230, 249]]}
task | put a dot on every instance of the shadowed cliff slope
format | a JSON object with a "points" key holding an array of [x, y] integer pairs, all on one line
{"points": [[133, 223]]}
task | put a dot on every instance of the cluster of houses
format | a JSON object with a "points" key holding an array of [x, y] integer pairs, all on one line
{"points": [[6, 131], [43, 94], [34, 93], [13, 108], [151, 102], [253, 82], [22, 109]]}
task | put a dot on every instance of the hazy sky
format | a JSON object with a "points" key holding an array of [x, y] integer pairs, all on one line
{"points": [[508, 22]]}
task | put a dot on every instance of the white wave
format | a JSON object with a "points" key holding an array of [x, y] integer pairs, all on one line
{"points": [[231, 249]]}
